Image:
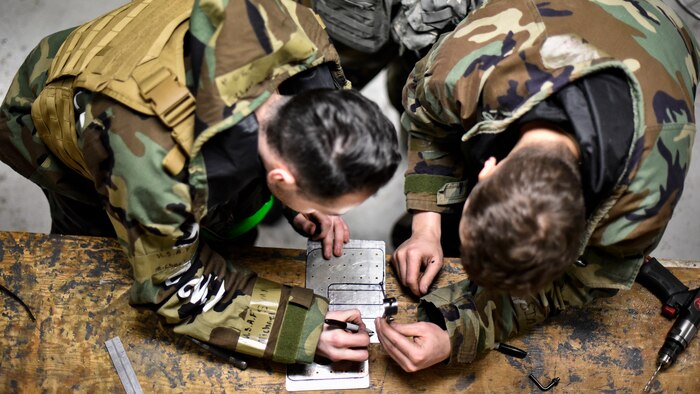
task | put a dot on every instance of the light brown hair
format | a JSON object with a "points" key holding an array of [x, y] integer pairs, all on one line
{"points": [[523, 225]]}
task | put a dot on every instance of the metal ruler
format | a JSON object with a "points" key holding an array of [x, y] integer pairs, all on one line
{"points": [[123, 366]]}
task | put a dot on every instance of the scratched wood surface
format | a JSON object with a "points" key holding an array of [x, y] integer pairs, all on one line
{"points": [[77, 289]]}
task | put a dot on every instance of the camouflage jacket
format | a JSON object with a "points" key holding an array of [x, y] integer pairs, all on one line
{"points": [[236, 54], [501, 61]]}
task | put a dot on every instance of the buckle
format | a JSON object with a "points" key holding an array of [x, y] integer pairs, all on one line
{"points": [[172, 101]]}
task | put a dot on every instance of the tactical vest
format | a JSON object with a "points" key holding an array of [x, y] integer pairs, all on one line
{"points": [[134, 55], [364, 25]]}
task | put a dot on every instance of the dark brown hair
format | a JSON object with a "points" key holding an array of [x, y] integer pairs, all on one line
{"points": [[336, 141], [523, 225]]}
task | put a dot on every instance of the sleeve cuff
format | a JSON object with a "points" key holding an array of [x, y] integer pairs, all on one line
{"points": [[301, 328], [311, 331], [424, 202], [454, 309]]}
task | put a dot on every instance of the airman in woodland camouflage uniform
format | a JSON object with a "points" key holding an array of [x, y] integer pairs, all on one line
{"points": [[595, 95], [171, 127]]}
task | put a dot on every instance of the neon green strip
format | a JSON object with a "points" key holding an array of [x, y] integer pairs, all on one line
{"points": [[251, 221], [244, 225]]}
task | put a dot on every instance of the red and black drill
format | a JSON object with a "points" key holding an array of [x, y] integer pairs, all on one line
{"points": [[679, 303]]}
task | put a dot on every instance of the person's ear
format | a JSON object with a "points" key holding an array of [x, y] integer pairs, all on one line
{"points": [[489, 168], [281, 177]]}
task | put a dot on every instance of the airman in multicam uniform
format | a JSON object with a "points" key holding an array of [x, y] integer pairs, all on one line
{"points": [[171, 126], [617, 80]]}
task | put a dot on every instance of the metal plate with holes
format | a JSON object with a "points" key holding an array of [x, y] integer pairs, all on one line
{"points": [[354, 280]]}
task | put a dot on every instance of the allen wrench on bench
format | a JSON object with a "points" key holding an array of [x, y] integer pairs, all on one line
{"points": [[548, 387]]}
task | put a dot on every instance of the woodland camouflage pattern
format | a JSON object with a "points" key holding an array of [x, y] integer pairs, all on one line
{"points": [[504, 58], [249, 48]]}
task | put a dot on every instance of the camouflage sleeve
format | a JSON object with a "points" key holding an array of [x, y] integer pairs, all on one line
{"points": [[20, 145], [433, 179], [228, 306], [477, 319], [633, 220], [636, 221], [197, 291]]}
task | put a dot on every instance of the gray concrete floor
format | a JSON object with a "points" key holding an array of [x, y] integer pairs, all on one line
{"points": [[23, 208]]}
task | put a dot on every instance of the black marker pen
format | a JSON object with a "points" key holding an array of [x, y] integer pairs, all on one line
{"points": [[352, 327]]}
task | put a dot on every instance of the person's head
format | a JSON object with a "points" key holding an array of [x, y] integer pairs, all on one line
{"points": [[327, 150], [522, 225]]}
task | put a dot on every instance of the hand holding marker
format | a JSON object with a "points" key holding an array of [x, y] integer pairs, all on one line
{"points": [[352, 327]]}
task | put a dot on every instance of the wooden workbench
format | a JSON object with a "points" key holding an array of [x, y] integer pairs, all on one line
{"points": [[77, 288]]}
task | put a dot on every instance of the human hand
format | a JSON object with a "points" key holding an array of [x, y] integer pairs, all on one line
{"points": [[419, 259], [338, 344], [414, 346], [330, 229]]}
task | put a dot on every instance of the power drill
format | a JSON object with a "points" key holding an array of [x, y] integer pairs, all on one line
{"points": [[677, 301]]}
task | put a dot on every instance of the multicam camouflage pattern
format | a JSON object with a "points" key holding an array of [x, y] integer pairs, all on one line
{"points": [[247, 49], [496, 65]]}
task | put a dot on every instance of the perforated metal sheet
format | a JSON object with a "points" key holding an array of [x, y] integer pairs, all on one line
{"points": [[353, 280]]}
